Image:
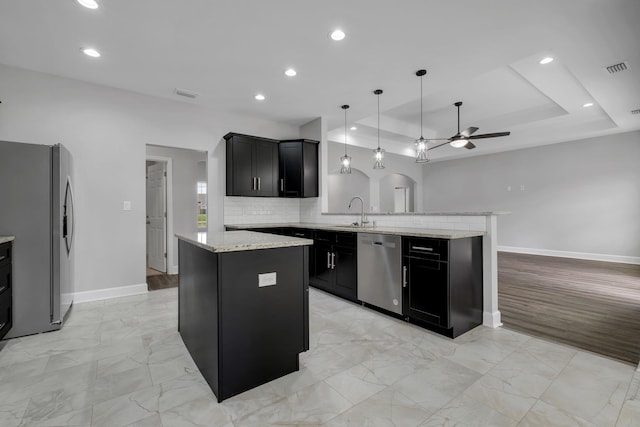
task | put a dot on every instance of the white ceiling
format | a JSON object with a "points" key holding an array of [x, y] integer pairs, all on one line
{"points": [[484, 53]]}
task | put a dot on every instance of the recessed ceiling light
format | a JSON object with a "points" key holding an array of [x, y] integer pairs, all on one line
{"points": [[259, 97], [354, 128], [89, 51], [588, 104], [89, 4], [290, 72], [337, 35], [546, 60]]}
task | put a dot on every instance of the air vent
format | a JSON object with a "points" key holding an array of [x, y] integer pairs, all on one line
{"points": [[186, 93], [616, 68], [635, 111]]}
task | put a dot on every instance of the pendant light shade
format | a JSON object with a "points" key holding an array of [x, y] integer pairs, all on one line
{"points": [[345, 161], [422, 149], [378, 152]]}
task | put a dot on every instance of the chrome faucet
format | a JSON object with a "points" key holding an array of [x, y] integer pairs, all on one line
{"points": [[363, 217]]}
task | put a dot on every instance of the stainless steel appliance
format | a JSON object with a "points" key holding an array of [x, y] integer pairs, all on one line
{"points": [[379, 271], [36, 206]]}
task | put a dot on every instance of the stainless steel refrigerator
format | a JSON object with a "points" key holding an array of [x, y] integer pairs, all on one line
{"points": [[36, 206]]}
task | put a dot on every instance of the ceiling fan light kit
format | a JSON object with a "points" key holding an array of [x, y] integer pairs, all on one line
{"points": [[345, 161], [378, 152]]}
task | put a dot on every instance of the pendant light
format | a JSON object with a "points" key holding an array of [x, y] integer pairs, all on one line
{"points": [[378, 152], [345, 160], [421, 143]]}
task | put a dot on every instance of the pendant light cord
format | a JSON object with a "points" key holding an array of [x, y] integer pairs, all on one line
{"points": [[378, 95], [421, 137], [345, 131]]}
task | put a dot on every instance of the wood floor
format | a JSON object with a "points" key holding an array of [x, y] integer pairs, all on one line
{"points": [[591, 305], [162, 281]]}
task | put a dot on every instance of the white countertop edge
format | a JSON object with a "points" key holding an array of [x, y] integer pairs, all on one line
{"points": [[234, 241], [5, 239], [401, 231], [421, 213]]}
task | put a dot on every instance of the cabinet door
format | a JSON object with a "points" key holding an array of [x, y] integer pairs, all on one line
{"points": [[321, 275], [346, 272], [265, 160], [426, 295], [290, 184], [239, 166]]}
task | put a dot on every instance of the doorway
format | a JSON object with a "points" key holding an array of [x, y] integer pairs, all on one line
{"points": [[176, 193]]}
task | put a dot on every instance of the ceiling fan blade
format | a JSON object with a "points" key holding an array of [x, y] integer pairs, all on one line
{"points": [[470, 145], [437, 146], [468, 131], [490, 135]]}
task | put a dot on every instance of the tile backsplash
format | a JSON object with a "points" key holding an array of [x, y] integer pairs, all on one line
{"points": [[261, 210]]}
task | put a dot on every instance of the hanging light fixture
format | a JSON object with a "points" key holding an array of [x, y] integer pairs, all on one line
{"points": [[421, 143], [378, 152], [345, 160]]}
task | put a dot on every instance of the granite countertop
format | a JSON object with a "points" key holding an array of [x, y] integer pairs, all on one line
{"points": [[5, 239], [231, 241], [421, 213], [401, 231]]}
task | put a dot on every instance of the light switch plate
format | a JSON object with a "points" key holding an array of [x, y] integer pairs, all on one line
{"points": [[126, 205], [266, 279]]}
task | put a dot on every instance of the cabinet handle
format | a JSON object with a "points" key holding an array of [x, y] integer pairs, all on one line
{"points": [[328, 259], [2, 257], [258, 183], [281, 184], [404, 276], [333, 261], [421, 248], [253, 183], [2, 289], [2, 325]]}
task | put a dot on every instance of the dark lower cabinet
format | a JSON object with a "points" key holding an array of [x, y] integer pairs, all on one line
{"points": [[442, 286], [335, 264], [6, 316], [243, 331]]}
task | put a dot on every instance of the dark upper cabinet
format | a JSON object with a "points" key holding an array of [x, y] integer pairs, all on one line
{"points": [[252, 166], [6, 318], [298, 168]]}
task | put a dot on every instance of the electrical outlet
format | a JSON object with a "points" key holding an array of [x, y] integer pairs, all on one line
{"points": [[126, 205], [522, 187], [508, 188]]}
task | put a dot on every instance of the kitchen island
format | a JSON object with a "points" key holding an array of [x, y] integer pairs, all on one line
{"points": [[243, 306]]}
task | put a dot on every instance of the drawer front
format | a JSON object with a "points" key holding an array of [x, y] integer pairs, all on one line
{"points": [[5, 253], [348, 239], [5, 314], [304, 233], [324, 236], [426, 248], [5, 278]]}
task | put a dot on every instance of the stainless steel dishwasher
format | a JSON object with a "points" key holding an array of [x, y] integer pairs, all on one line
{"points": [[379, 271]]}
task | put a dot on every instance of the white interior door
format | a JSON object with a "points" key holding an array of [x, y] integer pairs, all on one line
{"points": [[157, 216]]}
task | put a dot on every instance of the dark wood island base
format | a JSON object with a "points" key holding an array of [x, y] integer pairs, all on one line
{"points": [[243, 314]]}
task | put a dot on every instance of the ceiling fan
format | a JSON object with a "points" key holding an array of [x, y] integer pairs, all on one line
{"points": [[463, 139]]}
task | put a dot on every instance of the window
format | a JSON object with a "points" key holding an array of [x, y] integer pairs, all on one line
{"points": [[202, 204]]}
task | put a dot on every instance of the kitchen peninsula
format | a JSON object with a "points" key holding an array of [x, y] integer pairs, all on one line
{"points": [[243, 306]]}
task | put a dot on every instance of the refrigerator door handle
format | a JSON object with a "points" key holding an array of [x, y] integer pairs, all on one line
{"points": [[68, 223]]}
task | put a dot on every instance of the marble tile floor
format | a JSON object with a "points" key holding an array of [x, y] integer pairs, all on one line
{"points": [[121, 362]]}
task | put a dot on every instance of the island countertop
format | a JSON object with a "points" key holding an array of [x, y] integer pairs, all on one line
{"points": [[232, 241], [5, 239], [400, 231]]}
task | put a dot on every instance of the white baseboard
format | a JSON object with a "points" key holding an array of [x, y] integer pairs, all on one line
{"points": [[577, 255], [100, 294], [491, 319], [173, 269]]}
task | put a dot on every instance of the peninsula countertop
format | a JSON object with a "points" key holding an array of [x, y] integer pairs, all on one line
{"points": [[5, 239], [401, 231], [232, 241]]}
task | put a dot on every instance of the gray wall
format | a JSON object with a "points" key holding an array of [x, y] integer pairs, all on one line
{"points": [[388, 185], [188, 168], [344, 187], [362, 159], [580, 196], [106, 131]]}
